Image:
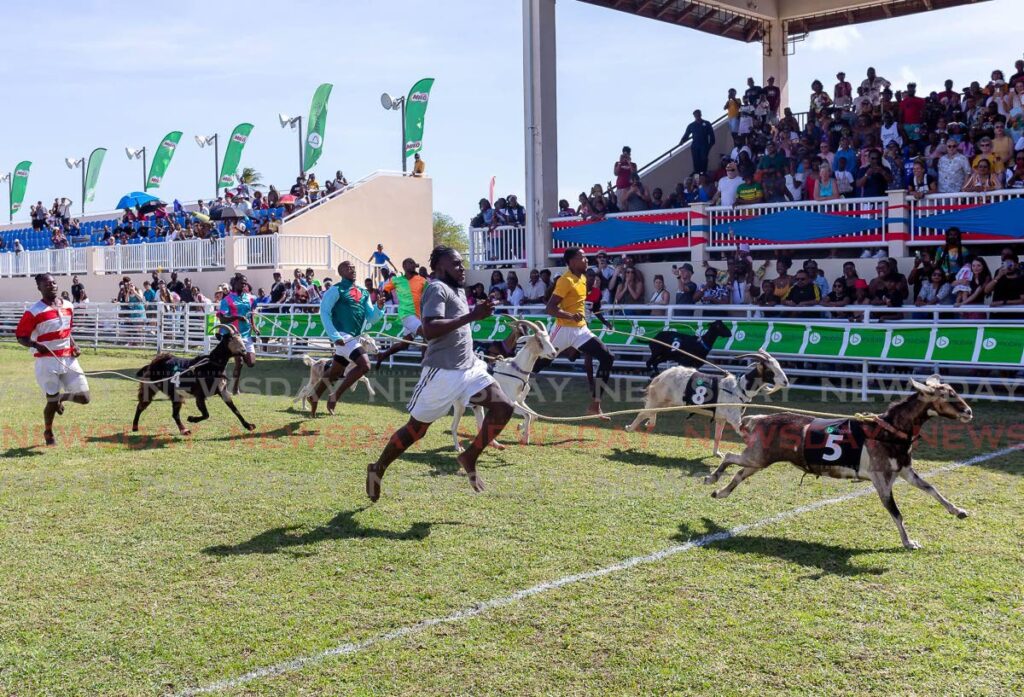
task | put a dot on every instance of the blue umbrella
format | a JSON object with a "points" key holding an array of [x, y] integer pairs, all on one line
{"points": [[135, 198]]}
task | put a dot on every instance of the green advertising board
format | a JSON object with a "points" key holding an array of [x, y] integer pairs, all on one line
{"points": [[994, 344]]}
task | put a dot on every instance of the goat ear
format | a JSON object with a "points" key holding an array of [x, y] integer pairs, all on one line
{"points": [[934, 380], [922, 388]]}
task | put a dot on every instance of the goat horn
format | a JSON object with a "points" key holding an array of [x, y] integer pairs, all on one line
{"points": [[532, 325], [229, 327], [748, 355]]}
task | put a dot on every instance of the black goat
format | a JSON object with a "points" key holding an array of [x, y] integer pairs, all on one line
{"points": [[199, 377], [698, 346]]}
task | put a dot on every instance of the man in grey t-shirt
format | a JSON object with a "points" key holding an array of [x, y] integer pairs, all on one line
{"points": [[451, 372]]}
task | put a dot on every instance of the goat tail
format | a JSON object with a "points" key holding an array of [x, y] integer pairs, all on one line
{"points": [[308, 360]]}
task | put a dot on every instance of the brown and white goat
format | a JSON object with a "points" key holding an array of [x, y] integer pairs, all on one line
{"points": [[318, 368], [674, 387], [513, 377], [877, 451]]}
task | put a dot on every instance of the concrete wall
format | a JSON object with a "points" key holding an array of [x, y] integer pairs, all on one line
{"points": [[392, 210]]}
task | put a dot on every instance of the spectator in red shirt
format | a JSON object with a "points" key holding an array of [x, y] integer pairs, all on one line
{"points": [[624, 169], [912, 114], [950, 96]]}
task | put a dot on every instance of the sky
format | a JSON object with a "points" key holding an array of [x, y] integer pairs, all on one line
{"points": [[106, 73]]}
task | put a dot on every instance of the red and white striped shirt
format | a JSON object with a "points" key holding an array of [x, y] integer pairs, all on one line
{"points": [[49, 325]]}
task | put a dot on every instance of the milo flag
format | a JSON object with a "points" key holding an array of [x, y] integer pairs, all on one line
{"points": [[415, 110], [315, 126], [233, 154], [19, 182], [162, 159], [92, 173]]}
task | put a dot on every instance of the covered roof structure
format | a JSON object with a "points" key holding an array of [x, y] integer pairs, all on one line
{"points": [[777, 24], [747, 20]]}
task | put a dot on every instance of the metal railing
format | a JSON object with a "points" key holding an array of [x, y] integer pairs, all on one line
{"points": [[338, 192], [181, 255], [504, 245], [939, 204], [59, 262], [720, 219]]}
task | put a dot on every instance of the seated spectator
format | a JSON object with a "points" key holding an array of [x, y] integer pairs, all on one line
{"points": [[1007, 286], [659, 296], [783, 280], [921, 183], [826, 188], [983, 178], [839, 296], [1015, 178], [711, 293], [728, 187], [476, 294], [749, 192], [803, 292], [583, 210], [630, 290], [935, 291], [514, 293], [534, 290], [970, 286], [497, 281], [817, 276], [564, 211]]}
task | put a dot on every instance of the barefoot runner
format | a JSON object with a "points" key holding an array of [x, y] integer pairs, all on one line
{"points": [[409, 290], [236, 309], [571, 336], [451, 371], [46, 328], [346, 312]]}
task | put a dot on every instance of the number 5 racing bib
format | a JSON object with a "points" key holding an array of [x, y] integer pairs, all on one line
{"points": [[701, 389], [834, 442]]}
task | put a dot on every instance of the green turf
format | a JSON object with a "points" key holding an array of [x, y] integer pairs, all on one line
{"points": [[133, 565]]}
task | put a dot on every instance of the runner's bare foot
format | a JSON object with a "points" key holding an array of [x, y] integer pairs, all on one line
{"points": [[48, 438], [475, 480], [373, 479]]}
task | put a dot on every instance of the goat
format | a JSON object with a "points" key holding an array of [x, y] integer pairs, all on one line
{"points": [[693, 345], [199, 377], [877, 450], [682, 385], [513, 377], [317, 368]]}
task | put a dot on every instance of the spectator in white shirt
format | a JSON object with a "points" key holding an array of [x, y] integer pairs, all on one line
{"points": [[535, 289], [727, 186], [514, 292]]}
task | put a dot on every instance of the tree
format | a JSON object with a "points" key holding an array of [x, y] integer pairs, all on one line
{"points": [[450, 233], [251, 177]]}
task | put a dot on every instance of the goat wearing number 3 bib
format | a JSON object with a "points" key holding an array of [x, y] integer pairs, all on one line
{"points": [[686, 386]]}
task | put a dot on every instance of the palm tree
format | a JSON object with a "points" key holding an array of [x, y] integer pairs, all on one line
{"points": [[251, 177]]}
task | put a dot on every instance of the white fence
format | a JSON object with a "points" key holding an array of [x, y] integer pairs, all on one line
{"points": [[939, 204], [70, 260], [721, 218], [182, 255], [500, 246]]}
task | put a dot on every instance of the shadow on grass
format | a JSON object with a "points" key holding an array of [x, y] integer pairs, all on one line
{"points": [[642, 458], [26, 451], [289, 430], [830, 560], [442, 462], [343, 526], [135, 441]]}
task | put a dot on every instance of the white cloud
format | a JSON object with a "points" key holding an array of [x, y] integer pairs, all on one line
{"points": [[840, 39]]}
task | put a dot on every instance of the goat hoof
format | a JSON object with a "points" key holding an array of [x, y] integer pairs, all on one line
{"points": [[717, 453], [961, 513], [250, 427], [912, 544], [186, 432], [135, 429]]}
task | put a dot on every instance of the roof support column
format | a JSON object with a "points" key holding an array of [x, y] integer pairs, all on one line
{"points": [[541, 127], [775, 62]]}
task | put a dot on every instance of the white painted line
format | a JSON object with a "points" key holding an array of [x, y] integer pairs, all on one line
{"points": [[488, 605]]}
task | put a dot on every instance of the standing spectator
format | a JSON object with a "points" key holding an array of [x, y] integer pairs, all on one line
{"points": [[380, 260], [912, 111], [175, 286], [728, 186], [774, 96], [686, 288], [842, 93], [703, 136], [953, 168], [312, 187], [753, 92], [298, 189], [637, 198], [952, 255], [732, 110], [76, 289], [419, 167], [623, 170], [874, 85]]}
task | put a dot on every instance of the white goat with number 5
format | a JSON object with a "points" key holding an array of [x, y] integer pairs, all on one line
{"points": [[513, 377]]}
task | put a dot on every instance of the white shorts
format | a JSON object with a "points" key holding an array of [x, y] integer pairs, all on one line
{"points": [[565, 337], [52, 374], [350, 345], [250, 346], [438, 389], [411, 325]]}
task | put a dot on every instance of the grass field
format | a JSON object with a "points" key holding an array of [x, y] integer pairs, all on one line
{"points": [[155, 564]]}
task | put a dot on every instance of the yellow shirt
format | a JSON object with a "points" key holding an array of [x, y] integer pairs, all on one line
{"points": [[573, 292], [732, 107], [419, 168]]}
